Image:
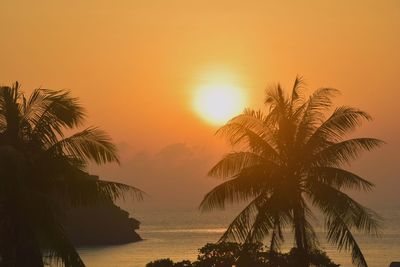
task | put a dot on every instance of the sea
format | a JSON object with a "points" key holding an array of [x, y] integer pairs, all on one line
{"points": [[179, 234]]}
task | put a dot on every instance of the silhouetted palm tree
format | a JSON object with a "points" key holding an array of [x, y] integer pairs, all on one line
{"points": [[289, 160], [42, 172]]}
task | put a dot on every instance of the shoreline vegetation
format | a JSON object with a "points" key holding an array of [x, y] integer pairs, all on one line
{"points": [[228, 254]]}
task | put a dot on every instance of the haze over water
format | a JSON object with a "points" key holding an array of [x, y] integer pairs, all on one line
{"points": [[178, 235]]}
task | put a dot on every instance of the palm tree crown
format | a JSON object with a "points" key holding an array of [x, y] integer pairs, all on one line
{"points": [[42, 172], [289, 160]]}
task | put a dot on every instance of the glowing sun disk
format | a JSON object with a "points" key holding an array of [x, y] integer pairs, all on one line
{"points": [[217, 103]]}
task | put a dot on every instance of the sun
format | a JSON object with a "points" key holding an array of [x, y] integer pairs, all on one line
{"points": [[217, 103]]}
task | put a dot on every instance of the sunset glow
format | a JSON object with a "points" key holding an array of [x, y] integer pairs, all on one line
{"points": [[174, 133], [217, 103]]}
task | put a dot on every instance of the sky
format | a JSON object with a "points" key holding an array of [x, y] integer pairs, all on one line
{"points": [[135, 65]]}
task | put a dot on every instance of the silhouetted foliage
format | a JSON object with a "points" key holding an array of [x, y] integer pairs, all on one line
{"points": [[161, 263], [227, 254], [287, 160], [222, 254], [185, 263], [42, 172]]}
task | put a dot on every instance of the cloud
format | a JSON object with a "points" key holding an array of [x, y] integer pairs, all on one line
{"points": [[174, 177]]}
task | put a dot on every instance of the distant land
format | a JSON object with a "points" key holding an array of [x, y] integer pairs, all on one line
{"points": [[100, 225]]}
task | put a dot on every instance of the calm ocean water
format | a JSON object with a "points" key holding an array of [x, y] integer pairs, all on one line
{"points": [[178, 235]]}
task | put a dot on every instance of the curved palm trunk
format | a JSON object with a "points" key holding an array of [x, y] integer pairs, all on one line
{"points": [[18, 246], [28, 253], [23, 252], [301, 238]]}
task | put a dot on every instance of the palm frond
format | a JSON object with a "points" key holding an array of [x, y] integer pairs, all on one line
{"points": [[249, 120], [339, 178], [319, 101], [344, 152], [10, 110], [297, 96], [241, 225], [340, 234], [60, 249], [116, 190], [263, 223], [254, 113], [277, 237], [252, 132], [243, 187], [50, 112], [90, 144], [296, 87], [56, 106], [334, 202], [34, 106], [78, 188], [342, 214], [276, 98], [342, 121], [232, 163], [270, 218]]}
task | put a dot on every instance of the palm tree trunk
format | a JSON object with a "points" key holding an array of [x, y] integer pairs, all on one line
{"points": [[18, 247], [28, 252], [302, 244]]}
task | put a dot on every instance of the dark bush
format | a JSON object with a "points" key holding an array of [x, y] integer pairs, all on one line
{"points": [[226, 254], [161, 263], [183, 264], [219, 254], [229, 253], [319, 258]]}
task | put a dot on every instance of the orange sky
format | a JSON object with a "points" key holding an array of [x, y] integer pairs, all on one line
{"points": [[135, 64]]}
